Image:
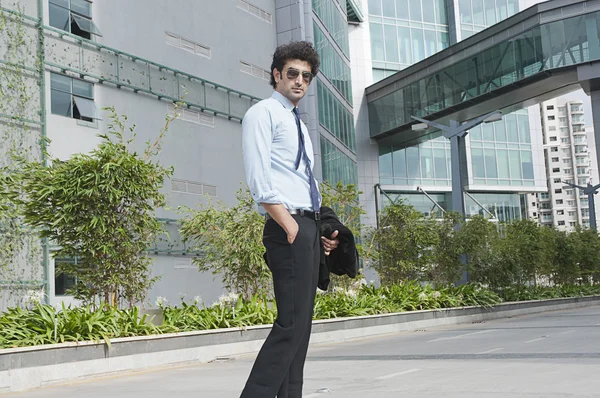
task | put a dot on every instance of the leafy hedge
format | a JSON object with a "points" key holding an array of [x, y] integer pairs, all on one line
{"points": [[542, 292], [43, 324]]}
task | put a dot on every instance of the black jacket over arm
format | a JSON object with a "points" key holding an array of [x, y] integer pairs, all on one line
{"points": [[344, 259]]}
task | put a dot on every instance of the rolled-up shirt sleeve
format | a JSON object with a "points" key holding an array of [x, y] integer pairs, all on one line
{"points": [[257, 136]]}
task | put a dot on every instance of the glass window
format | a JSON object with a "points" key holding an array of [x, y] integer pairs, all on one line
{"points": [[428, 8], [426, 162], [375, 7], [500, 131], [490, 12], [478, 163], [59, 17], [389, 8], [440, 164], [524, 133], [385, 162], [391, 43], [431, 42], [487, 130], [402, 10], [490, 163], [82, 7], [512, 130], [527, 164], [377, 42], [418, 46], [405, 45], [440, 12], [399, 161], [466, 14], [415, 10], [60, 103], [515, 165], [478, 15], [503, 163], [412, 162]]}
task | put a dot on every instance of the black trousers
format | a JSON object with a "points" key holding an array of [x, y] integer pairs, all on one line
{"points": [[279, 367]]}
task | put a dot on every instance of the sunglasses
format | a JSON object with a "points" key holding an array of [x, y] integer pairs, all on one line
{"points": [[293, 74]]}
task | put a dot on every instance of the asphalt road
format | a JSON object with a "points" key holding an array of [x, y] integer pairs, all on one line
{"points": [[554, 354]]}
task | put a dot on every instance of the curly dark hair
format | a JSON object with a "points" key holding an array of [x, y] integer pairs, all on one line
{"points": [[302, 50]]}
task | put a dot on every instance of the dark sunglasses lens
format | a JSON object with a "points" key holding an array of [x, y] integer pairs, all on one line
{"points": [[307, 76], [292, 73]]}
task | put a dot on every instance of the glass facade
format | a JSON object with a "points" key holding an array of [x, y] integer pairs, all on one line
{"points": [[501, 152], [404, 32], [504, 206], [476, 15], [541, 48], [337, 166], [425, 165], [332, 13], [335, 117], [333, 65], [334, 91]]}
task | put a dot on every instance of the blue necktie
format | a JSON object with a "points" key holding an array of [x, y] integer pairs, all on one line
{"points": [[314, 192]]}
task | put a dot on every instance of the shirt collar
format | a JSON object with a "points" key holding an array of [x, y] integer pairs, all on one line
{"points": [[287, 104]]}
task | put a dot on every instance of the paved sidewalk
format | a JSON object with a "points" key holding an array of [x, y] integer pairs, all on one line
{"points": [[554, 354]]}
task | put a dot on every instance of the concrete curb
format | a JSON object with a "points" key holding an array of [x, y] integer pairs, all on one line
{"points": [[33, 367]]}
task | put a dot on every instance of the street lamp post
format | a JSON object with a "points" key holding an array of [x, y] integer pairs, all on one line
{"points": [[590, 190], [455, 132]]}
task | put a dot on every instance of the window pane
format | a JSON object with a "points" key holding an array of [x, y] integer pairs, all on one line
{"points": [[431, 41], [440, 12], [60, 103], [503, 168], [391, 43], [513, 7], [490, 12], [377, 51], [512, 131], [375, 7], [500, 131], [488, 132], [490, 163], [59, 17], [527, 164], [466, 14], [418, 45], [439, 159], [82, 7], [60, 82], [399, 159], [429, 8], [402, 10], [515, 165], [86, 107], [478, 163], [62, 3], [478, 17], [524, 133], [83, 89], [86, 25], [426, 163], [389, 8], [412, 162], [385, 162], [405, 47], [415, 10]]}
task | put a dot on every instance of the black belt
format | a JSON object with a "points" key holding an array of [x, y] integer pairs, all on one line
{"points": [[301, 212]]}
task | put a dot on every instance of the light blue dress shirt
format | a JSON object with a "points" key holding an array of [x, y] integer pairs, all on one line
{"points": [[270, 147]]}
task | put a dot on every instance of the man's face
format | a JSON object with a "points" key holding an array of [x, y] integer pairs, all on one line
{"points": [[293, 80]]}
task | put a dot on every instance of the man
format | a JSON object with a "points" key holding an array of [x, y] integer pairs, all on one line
{"points": [[278, 158]]}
